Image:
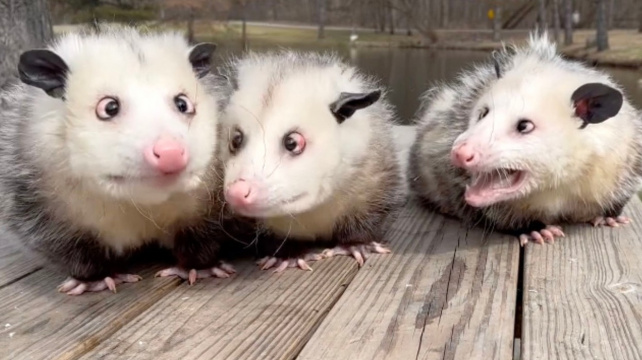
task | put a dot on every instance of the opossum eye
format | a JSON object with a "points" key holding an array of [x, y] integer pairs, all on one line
{"points": [[525, 126], [294, 143], [183, 104], [482, 114], [236, 141], [107, 108]]}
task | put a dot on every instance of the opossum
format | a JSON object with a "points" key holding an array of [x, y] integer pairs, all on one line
{"points": [[311, 156], [108, 144], [527, 141]]}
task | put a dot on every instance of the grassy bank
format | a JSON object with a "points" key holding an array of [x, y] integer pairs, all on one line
{"points": [[625, 45]]}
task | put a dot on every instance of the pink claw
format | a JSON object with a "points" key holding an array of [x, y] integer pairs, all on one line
{"points": [[224, 270], [610, 221], [359, 252], [72, 286], [546, 235]]}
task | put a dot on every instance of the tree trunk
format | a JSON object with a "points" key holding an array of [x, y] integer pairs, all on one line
{"points": [[497, 23], [466, 20], [391, 11], [556, 20], [190, 26], [568, 22], [275, 10], [541, 14], [244, 27], [640, 16], [444, 13], [321, 14], [24, 25], [602, 36]]}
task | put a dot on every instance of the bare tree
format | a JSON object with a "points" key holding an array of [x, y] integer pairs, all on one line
{"points": [[640, 16], [444, 13], [556, 20], [602, 36], [568, 22], [497, 22], [417, 13], [24, 24], [541, 14], [321, 7]]}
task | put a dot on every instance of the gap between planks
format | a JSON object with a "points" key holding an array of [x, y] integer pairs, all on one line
{"points": [[583, 295], [257, 315], [445, 293], [41, 323]]}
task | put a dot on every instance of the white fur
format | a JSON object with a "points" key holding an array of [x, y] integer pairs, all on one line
{"points": [[567, 167], [279, 93], [78, 151]]}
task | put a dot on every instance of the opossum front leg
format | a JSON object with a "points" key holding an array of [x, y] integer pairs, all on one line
{"points": [[89, 269], [359, 251], [358, 243], [613, 217], [73, 286], [291, 254], [198, 257], [537, 231]]}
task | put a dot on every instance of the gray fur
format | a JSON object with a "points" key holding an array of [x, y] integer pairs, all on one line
{"points": [[444, 115], [27, 214], [378, 175]]}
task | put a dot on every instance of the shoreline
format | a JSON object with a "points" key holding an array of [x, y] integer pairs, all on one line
{"points": [[575, 51], [625, 44]]}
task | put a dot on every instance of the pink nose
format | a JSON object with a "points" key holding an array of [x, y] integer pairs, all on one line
{"points": [[240, 193], [464, 156], [167, 155]]}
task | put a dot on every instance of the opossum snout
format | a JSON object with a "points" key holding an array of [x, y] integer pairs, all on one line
{"points": [[240, 193], [464, 156], [167, 154]]}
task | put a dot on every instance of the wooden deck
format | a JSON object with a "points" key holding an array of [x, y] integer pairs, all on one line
{"points": [[444, 293]]}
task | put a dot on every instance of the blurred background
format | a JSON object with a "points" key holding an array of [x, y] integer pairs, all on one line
{"points": [[409, 44]]}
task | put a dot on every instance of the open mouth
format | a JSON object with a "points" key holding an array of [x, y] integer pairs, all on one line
{"points": [[490, 187]]}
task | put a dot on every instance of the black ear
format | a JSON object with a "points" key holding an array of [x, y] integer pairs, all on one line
{"points": [[45, 70], [348, 103], [595, 103], [200, 57]]}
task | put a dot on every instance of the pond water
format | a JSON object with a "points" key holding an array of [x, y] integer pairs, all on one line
{"points": [[409, 72]]}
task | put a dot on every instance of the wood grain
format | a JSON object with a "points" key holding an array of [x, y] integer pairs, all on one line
{"points": [[445, 293], [37, 322], [583, 295], [255, 315], [14, 263]]}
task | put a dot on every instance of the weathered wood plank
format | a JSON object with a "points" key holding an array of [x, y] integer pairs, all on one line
{"points": [[14, 263], [445, 293], [255, 315], [37, 322], [583, 295]]}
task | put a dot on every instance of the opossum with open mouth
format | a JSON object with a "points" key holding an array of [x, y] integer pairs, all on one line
{"points": [[311, 156], [527, 141], [108, 144]]}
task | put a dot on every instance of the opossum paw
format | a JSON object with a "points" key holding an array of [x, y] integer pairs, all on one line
{"points": [[359, 252], [224, 270], [545, 235], [281, 264], [73, 286], [610, 221]]}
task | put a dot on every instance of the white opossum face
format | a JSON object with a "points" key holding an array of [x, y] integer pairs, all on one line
{"points": [[525, 134], [130, 120], [288, 153]]}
